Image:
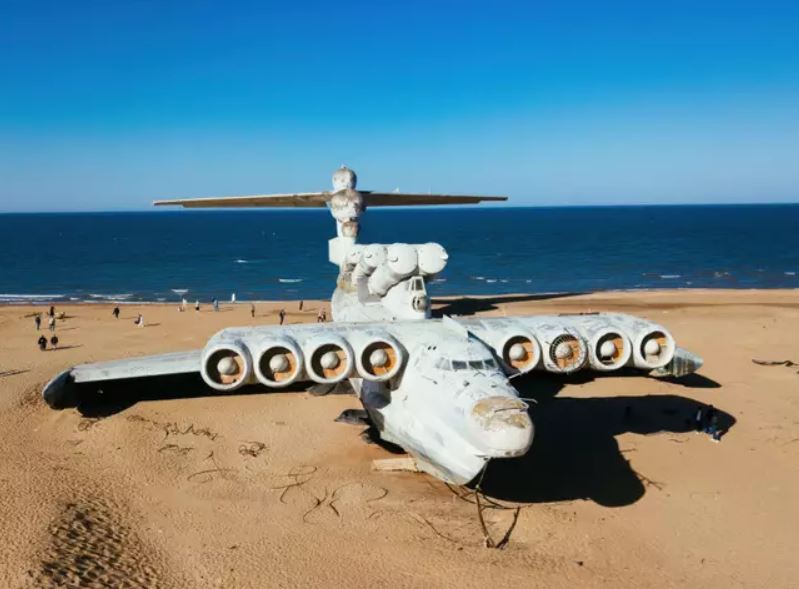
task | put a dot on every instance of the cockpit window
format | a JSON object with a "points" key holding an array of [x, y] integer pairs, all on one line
{"points": [[476, 364], [458, 365]]}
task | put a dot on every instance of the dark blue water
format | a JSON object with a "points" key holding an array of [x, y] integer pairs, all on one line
{"points": [[268, 254]]}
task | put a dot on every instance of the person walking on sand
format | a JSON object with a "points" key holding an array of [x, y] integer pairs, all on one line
{"points": [[216, 305], [51, 324], [140, 320], [42, 341], [54, 342], [38, 321], [197, 305], [282, 315], [252, 310], [183, 304], [301, 302], [322, 316], [52, 311], [115, 312]]}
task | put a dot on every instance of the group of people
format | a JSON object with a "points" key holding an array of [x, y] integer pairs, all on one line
{"points": [[51, 324]]}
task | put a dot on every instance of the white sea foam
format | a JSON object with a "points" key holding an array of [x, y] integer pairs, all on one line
{"points": [[289, 280], [240, 261], [790, 273], [179, 291], [504, 280], [29, 297], [111, 297], [669, 276], [439, 279], [491, 280]]}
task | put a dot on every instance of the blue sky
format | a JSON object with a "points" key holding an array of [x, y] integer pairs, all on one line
{"points": [[108, 105]]}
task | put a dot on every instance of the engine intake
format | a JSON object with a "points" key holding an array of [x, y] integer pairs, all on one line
{"points": [[379, 359], [329, 360], [654, 349], [608, 350], [279, 362], [226, 366], [566, 353], [520, 352]]}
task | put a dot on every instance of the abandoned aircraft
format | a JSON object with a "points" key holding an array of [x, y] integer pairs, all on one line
{"points": [[439, 388]]}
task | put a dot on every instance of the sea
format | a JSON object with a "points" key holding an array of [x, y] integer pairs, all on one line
{"points": [[282, 254]]}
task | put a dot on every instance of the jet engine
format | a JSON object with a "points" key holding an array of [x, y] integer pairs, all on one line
{"points": [[226, 365], [379, 358], [278, 362], [328, 359], [608, 349], [401, 262], [564, 350], [519, 352], [653, 348]]}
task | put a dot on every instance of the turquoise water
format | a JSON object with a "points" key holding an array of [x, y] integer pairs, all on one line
{"points": [[277, 254]]}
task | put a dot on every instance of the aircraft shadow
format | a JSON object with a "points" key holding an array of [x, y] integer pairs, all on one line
{"points": [[471, 306], [575, 453]]}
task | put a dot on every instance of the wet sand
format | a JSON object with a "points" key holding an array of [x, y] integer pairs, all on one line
{"points": [[166, 486]]}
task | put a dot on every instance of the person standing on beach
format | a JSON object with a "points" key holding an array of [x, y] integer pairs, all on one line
{"points": [[51, 323], [52, 311], [54, 342], [38, 321], [197, 305], [252, 310], [140, 320], [42, 341], [183, 304], [282, 315], [115, 312], [301, 302], [216, 305], [322, 316]]}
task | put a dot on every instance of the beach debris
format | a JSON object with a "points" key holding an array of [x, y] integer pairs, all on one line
{"points": [[404, 463], [788, 363]]}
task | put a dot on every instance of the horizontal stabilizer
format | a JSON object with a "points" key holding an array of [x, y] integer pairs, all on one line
{"points": [[396, 199], [320, 199], [300, 199]]}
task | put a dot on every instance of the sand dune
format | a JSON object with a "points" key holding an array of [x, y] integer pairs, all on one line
{"points": [[164, 485]]}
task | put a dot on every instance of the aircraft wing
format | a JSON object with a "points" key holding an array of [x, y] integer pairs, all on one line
{"points": [[396, 199], [300, 199], [59, 392]]}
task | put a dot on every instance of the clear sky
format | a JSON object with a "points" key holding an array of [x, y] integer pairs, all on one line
{"points": [[108, 105]]}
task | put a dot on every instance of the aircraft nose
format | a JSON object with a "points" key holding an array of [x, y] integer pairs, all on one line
{"points": [[501, 426]]}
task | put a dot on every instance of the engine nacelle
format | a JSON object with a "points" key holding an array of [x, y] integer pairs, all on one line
{"points": [[653, 348], [226, 365], [328, 359], [401, 262], [564, 351], [371, 256], [608, 349], [278, 362], [378, 357], [432, 258], [519, 352]]}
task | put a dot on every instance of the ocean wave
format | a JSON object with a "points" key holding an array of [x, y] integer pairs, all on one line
{"points": [[242, 261], [111, 297], [478, 277], [789, 273], [30, 297], [491, 280], [179, 291], [670, 276], [289, 280]]}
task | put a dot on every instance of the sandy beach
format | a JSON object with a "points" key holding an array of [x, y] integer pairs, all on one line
{"points": [[168, 486]]}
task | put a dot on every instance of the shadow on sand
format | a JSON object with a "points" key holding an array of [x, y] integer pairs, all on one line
{"points": [[470, 306], [575, 454]]}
